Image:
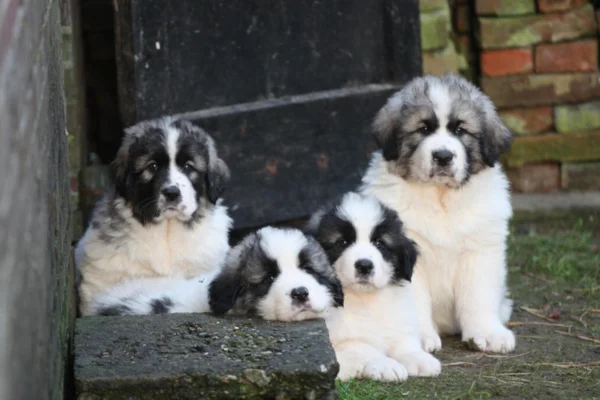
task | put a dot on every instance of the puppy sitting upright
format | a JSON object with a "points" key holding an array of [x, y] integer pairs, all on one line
{"points": [[441, 139], [376, 334], [162, 217]]}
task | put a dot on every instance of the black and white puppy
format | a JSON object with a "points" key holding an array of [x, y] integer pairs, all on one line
{"points": [[277, 274], [376, 334], [162, 217]]}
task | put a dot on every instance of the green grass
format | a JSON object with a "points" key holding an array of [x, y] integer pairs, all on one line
{"points": [[554, 264], [570, 256]]}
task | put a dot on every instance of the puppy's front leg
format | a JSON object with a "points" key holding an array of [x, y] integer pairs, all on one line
{"points": [[430, 339], [480, 290], [407, 350], [361, 360]]}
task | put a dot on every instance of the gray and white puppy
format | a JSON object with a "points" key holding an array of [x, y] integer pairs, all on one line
{"points": [[162, 217], [440, 141]]}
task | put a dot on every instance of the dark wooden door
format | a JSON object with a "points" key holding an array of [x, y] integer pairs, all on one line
{"points": [[288, 89]]}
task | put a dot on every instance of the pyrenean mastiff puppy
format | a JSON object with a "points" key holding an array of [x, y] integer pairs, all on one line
{"points": [[440, 140]]}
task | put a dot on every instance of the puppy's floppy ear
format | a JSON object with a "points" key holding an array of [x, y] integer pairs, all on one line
{"points": [[217, 177], [386, 131], [226, 288], [335, 287], [496, 137], [217, 174], [407, 258], [120, 164], [224, 291]]}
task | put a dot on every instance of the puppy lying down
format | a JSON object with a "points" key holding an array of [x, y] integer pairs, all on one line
{"points": [[376, 334], [277, 274]]}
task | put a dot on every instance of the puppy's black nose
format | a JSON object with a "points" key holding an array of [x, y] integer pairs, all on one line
{"points": [[442, 157], [299, 294], [364, 266], [171, 193]]}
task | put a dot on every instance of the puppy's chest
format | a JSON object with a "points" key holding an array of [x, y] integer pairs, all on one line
{"points": [[369, 319], [169, 249]]}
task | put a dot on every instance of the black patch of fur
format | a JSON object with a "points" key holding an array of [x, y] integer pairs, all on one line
{"points": [[161, 306], [246, 278], [335, 234], [312, 259], [396, 248], [115, 310]]}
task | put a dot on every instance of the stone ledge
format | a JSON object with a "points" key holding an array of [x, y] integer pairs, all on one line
{"points": [[197, 356]]}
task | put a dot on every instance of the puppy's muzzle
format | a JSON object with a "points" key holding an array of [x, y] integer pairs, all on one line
{"points": [[364, 267], [442, 158], [299, 295], [172, 194]]}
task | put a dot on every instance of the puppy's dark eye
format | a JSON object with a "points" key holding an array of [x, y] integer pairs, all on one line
{"points": [[380, 244], [152, 167], [460, 131], [188, 167], [341, 242], [423, 130]]}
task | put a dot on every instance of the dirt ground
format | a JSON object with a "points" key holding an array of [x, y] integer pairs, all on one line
{"points": [[554, 265]]}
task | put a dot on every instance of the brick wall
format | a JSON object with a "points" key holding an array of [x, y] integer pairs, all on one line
{"points": [[35, 277], [538, 61]]}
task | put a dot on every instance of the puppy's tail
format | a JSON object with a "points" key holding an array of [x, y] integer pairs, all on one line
{"points": [[146, 296]]}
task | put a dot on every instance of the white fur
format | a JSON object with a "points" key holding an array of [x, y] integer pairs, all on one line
{"points": [[460, 276], [376, 334], [185, 295], [284, 246], [168, 248], [186, 207]]}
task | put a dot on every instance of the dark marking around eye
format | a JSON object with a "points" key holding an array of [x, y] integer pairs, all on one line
{"points": [[428, 125]]}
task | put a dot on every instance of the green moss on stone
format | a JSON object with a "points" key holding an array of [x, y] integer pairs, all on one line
{"points": [[577, 118], [435, 29], [556, 147], [430, 5]]}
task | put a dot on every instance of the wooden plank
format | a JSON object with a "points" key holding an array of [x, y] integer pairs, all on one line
{"points": [[193, 55], [289, 157], [35, 291]]}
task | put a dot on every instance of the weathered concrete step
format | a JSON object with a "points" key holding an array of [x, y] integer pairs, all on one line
{"points": [[196, 356]]}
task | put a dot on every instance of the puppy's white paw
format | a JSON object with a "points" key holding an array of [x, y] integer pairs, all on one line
{"points": [[421, 364], [498, 340], [385, 369], [431, 342], [348, 372]]}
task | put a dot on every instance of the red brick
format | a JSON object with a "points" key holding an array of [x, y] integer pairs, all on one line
{"points": [[462, 19], [579, 56], [581, 176], [528, 121], [506, 62], [533, 90], [531, 178], [546, 6]]}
